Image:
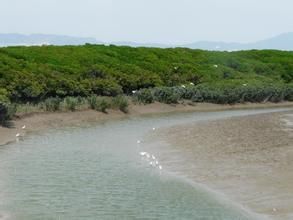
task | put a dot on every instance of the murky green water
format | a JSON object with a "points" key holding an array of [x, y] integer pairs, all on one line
{"points": [[97, 173]]}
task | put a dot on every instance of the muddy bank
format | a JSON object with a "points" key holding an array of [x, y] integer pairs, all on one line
{"points": [[249, 159], [37, 121]]}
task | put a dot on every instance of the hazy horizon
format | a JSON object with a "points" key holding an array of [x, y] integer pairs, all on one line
{"points": [[165, 22]]}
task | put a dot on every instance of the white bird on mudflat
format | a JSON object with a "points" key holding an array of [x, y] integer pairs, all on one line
{"points": [[154, 129], [153, 157], [160, 167], [17, 135], [148, 155], [157, 162], [23, 127], [138, 141]]}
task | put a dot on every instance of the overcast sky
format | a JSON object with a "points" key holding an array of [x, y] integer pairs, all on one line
{"points": [[156, 21]]}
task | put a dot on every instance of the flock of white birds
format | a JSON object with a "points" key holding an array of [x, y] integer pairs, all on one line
{"points": [[18, 134], [150, 158]]}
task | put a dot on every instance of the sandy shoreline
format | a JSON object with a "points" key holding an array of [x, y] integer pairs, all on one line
{"points": [[35, 122], [249, 159]]}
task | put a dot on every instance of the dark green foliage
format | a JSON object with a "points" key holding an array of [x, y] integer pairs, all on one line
{"points": [[7, 111], [34, 74], [288, 94], [3, 95], [3, 112], [121, 103]]}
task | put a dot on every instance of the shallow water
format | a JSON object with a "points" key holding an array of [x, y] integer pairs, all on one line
{"points": [[97, 172]]}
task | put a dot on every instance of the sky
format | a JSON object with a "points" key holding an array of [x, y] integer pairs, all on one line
{"points": [[150, 21]]}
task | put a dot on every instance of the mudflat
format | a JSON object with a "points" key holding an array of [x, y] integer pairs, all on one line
{"points": [[38, 121], [249, 159]]}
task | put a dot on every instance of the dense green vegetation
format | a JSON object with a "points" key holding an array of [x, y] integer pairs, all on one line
{"points": [[52, 73], [218, 92]]}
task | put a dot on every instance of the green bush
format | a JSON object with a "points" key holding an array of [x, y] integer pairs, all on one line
{"points": [[51, 104], [98, 103], [101, 104], [144, 96], [288, 95], [121, 103], [167, 95], [81, 100], [4, 95], [92, 100], [228, 92], [70, 103]]}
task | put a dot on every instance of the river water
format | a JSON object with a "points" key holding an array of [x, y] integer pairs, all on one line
{"points": [[97, 172]]}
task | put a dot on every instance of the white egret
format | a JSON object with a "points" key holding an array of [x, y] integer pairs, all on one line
{"points": [[134, 91], [160, 167], [23, 127], [143, 153], [216, 66], [138, 141], [154, 129], [157, 162], [192, 84], [183, 86], [148, 155], [17, 135], [153, 157]]}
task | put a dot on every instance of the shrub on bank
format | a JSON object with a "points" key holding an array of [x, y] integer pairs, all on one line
{"points": [[167, 95], [92, 101], [220, 93], [288, 95], [51, 104], [121, 103], [102, 104], [144, 96], [70, 103]]}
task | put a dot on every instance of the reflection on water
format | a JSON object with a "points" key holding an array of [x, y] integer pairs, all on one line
{"points": [[99, 173]]}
